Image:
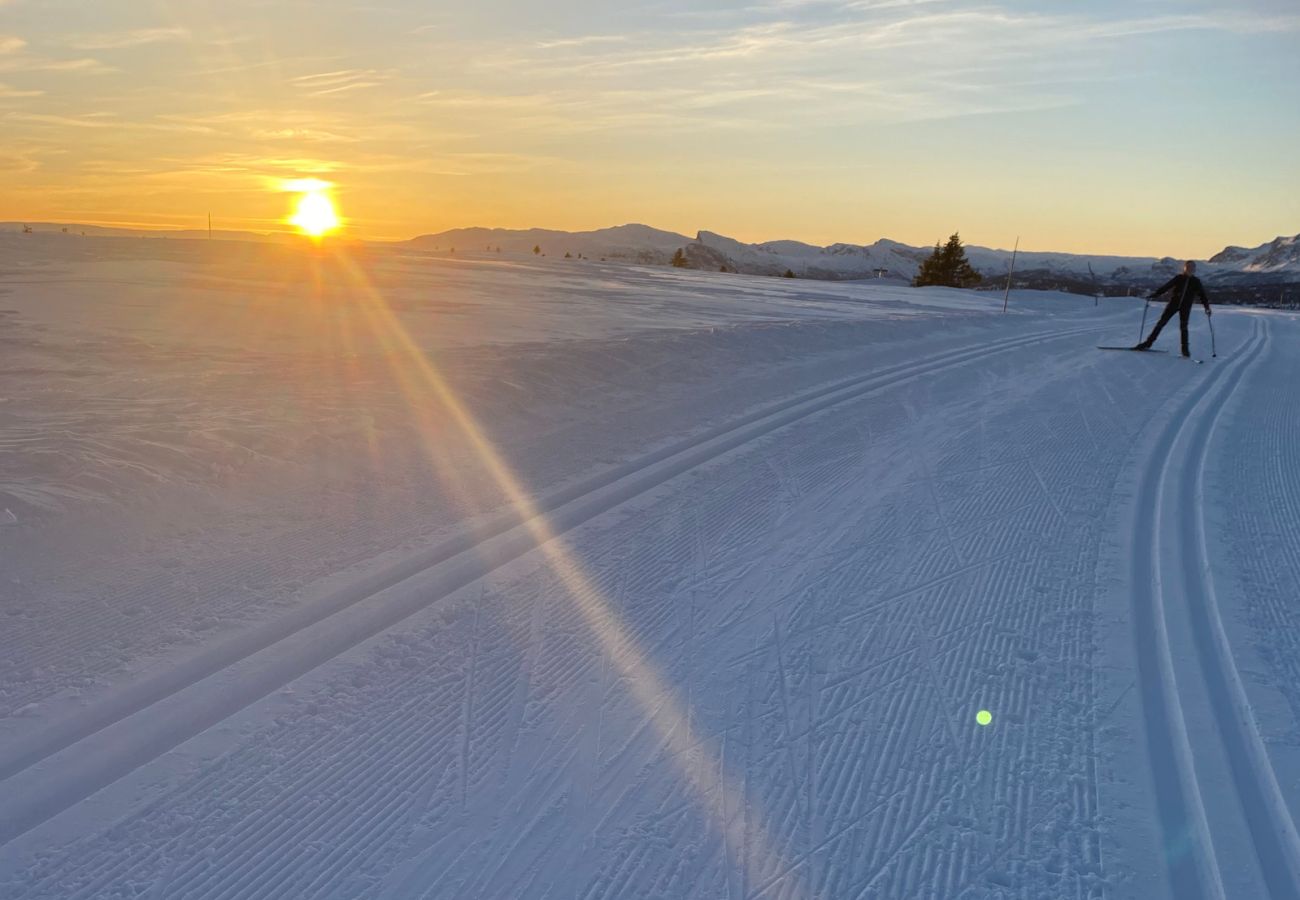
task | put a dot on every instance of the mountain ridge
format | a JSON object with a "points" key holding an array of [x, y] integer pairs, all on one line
{"points": [[1275, 262]]}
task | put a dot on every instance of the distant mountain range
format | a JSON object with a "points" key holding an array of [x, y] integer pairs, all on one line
{"points": [[1277, 262], [1243, 271]]}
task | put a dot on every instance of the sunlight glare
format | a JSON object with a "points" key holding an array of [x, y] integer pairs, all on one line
{"points": [[315, 214]]}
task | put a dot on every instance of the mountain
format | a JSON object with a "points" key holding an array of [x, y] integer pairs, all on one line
{"points": [[1236, 272], [1279, 255], [630, 243], [1277, 262]]}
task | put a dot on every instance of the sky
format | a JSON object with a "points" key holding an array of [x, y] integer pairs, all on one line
{"points": [[1142, 127]]}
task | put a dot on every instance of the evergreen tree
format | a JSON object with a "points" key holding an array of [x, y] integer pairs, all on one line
{"points": [[788, 274], [536, 249], [947, 266], [568, 255], [679, 259]]}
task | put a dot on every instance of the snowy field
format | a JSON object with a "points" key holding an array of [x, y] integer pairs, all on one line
{"points": [[394, 576]]}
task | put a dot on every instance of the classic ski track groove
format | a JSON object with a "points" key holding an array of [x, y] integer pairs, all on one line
{"points": [[1267, 560], [1267, 816], [131, 726], [1176, 467]]}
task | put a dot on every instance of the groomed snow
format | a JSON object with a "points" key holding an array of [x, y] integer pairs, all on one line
{"points": [[405, 576]]}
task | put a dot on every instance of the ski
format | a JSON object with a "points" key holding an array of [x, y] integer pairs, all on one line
{"points": [[1134, 349]]}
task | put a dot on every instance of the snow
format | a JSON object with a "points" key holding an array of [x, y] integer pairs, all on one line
{"points": [[1275, 261], [417, 576]]}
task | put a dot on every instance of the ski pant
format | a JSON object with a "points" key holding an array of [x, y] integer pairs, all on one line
{"points": [[1184, 311]]}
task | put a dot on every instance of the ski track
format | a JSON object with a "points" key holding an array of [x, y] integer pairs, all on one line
{"points": [[156, 586], [624, 481], [1172, 580], [1262, 443], [859, 785], [487, 749]]}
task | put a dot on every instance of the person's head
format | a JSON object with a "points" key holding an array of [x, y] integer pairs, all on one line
{"points": [[1189, 268]]}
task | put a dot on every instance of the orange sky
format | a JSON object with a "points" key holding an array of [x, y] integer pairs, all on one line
{"points": [[810, 119]]}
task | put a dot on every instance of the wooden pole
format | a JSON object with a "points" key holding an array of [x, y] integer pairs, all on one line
{"points": [[1007, 296]]}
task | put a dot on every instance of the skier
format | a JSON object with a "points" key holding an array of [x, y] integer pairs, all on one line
{"points": [[1184, 289]]}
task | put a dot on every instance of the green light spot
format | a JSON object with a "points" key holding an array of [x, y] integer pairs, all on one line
{"points": [[984, 717]]}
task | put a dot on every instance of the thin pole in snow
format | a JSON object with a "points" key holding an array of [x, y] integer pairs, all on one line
{"points": [[209, 226], [1007, 296]]}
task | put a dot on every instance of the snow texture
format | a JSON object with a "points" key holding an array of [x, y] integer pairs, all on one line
{"points": [[411, 576]]}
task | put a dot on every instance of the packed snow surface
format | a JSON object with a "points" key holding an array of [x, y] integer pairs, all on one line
{"points": [[393, 575]]}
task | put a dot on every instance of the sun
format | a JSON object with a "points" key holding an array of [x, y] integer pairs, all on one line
{"points": [[315, 214]]}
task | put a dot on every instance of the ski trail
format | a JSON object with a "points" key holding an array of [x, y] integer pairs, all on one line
{"points": [[1267, 816], [850, 734], [145, 719], [1170, 500], [1189, 857]]}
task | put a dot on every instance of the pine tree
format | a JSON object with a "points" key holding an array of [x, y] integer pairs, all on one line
{"points": [[536, 249], [788, 274], [947, 266], [679, 259]]}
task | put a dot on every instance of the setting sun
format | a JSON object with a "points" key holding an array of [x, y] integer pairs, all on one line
{"points": [[315, 214]]}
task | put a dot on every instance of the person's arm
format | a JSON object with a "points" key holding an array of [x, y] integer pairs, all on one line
{"points": [[1168, 284]]}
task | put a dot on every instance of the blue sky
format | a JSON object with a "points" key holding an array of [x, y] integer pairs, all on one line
{"points": [[1139, 127]]}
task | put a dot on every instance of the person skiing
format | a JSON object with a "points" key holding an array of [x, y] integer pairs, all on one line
{"points": [[1184, 289]]}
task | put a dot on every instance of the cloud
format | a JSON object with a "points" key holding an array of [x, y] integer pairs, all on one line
{"points": [[11, 44], [11, 93], [90, 121], [343, 81], [119, 40], [19, 163], [584, 41], [27, 63], [302, 134]]}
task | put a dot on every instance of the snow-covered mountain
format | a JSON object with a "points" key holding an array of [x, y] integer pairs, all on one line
{"points": [[1278, 260], [636, 243], [1275, 262], [1280, 255]]}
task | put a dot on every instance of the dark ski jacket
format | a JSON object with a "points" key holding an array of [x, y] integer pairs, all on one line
{"points": [[1186, 289]]}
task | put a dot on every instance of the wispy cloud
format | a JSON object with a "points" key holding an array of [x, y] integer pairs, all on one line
{"points": [[11, 44], [28, 63], [12, 93], [585, 41], [21, 163], [343, 81], [119, 40], [303, 134], [93, 120]]}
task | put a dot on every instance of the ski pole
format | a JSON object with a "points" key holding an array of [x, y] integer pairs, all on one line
{"points": [[1143, 329], [1214, 351]]}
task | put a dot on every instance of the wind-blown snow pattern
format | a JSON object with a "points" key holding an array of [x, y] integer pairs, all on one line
{"points": [[412, 577]]}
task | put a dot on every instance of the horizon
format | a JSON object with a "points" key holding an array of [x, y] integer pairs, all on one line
{"points": [[811, 120], [688, 235]]}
